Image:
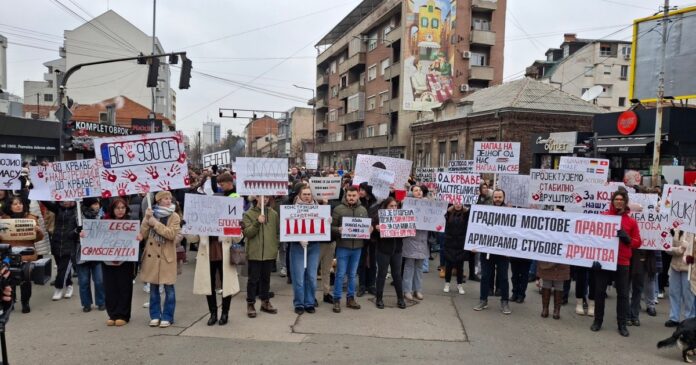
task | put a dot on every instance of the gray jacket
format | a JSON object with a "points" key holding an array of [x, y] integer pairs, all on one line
{"points": [[416, 247]]}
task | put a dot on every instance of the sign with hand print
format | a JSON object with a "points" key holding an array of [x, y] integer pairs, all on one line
{"points": [[65, 180]]}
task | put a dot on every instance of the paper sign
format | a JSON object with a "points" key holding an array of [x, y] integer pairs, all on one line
{"points": [[567, 188], [109, 240], [461, 166], [380, 180], [262, 176], [457, 188], [397, 223], [430, 214], [355, 228], [220, 158], [653, 225], [328, 188], [596, 169], [427, 175], [551, 236], [667, 191], [213, 215], [400, 167], [65, 180], [141, 163], [682, 211], [594, 198], [10, 169], [311, 160], [497, 157], [17, 230], [305, 223], [516, 188]]}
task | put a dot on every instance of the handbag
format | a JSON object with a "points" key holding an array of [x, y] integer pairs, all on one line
{"points": [[237, 254]]}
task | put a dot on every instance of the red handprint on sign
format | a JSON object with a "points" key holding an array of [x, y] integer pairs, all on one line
{"points": [[110, 176], [187, 180], [177, 137], [128, 174], [129, 151], [174, 170], [106, 194], [57, 197], [152, 170], [41, 174], [143, 188], [164, 185], [121, 188], [182, 157]]}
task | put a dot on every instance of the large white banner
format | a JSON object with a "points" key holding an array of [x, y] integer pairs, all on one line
{"points": [[305, 223], [311, 160], [682, 210], [516, 188], [461, 166], [652, 222], [430, 214], [213, 215], [262, 176], [10, 169], [328, 188], [220, 158], [355, 228], [400, 167], [141, 163], [457, 188], [597, 169], [109, 240], [65, 180], [551, 236], [497, 157]]}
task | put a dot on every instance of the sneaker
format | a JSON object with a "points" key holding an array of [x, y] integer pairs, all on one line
{"points": [[154, 323], [146, 305], [661, 295], [671, 323], [505, 307], [219, 292], [57, 294], [68, 292], [579, 308], [165, 324], [146, 288], [408, 296], [481, 306], [418, 295], [446, 289], [337, 306], [651, 311], [460, 288], [283, 272]]}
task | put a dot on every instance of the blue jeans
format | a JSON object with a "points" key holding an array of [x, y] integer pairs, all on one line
{"points": [[347, 261], [304, 281], [86, 273], [413, 274], [681, 300], [157, 311]]}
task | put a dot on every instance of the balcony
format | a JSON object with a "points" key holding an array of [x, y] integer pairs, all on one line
{"points": [[322, 80], [483, 37], [394, 105], [352, 89], [322, 104], [321, 125], [352, 117], [481, 73], [392, 71], [360, 143], [484, 5], [394, 35], [353, 61]]}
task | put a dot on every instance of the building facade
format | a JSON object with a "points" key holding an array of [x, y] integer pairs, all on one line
{"points": [[388, 62], [295, 134], [210, 135], [579, 64], [257, 129]]}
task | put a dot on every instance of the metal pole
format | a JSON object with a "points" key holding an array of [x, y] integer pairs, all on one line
{"points": [[38, 109], [61, 96], [152, 89], [660, 96]]}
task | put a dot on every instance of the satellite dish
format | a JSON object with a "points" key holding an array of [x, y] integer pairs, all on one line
{"points": [[592, 93]]}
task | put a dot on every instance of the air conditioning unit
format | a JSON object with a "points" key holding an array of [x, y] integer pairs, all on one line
{"points": [[466, 55], [464, 88], [627, 57]]}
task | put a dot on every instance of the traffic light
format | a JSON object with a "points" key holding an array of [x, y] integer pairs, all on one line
{"points": [[153, 72], [186, 66], [67, 129]]}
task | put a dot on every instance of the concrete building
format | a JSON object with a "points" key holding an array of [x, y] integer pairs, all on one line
{"points": [[579, 64], [295, 134], [107, 36], [389, 62], [257, 129], [210, 135], [42, 96], [10, 104]]}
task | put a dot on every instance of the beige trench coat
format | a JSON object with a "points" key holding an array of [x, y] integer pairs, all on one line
{"points": [[201, 277], [159, 254]]}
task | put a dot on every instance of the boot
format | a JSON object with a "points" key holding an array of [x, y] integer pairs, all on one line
{"points": [[400, 302], [267, 307], [251, 311], [590, 308], [226, 301], [545, 299], [596, 325], [557, 303], [212, 308], [213, 318], [623, 331], [579, 310], [351, 303], [378, 301]]}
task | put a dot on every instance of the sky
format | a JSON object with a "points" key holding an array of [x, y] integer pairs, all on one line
{"points": [[269, 44]]}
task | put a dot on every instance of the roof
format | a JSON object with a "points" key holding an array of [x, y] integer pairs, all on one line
{"points": [[352, 19], [527, 94]]}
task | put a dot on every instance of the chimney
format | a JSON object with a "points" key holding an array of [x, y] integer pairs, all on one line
{"points": [[569, 37]]}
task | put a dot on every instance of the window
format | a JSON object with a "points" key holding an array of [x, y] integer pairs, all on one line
{"points": [[371, 103], [341, 59], [626, 51], [454, 147], [588, 71], [102, 117], [372, 73], [333, 114], [386, 31], [383, 129], [383, 65], [344, 81], [355, 102], [426, 155], [333, 67], [605, 50], [339, 136], [383, 98], [480, 24], [606, 91], [442, 158], [622, 101], [424, 22], [607, 69], [370, 131], [334, 91], [434, 23], [49, 84], [566, 51], [372, 41], [478, 59], [624, 72], [48, 97]]}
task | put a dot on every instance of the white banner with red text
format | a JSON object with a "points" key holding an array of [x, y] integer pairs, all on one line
{"points": [[299, 222], [457, 188], [65, 180], [109, 240], [213, 215], [355, 228], [397, 223], [497, 157], [328, 188]]}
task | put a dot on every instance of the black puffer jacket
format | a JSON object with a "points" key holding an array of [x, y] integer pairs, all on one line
{"points": [[387, 246], [455, 233], [65, 236]]}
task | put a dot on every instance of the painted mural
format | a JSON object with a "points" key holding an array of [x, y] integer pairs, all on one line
{"points": [[428, 54]]}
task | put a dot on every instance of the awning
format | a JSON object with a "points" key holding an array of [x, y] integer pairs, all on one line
{"points": [[623, 145]]}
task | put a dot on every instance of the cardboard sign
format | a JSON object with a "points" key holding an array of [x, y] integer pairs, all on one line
{"points": [[682, 210], [109, 240], [220, 158], [10, 169], [594, 198], [653, 224], [262, 176], [17, 230], [596, 169], [397, 223], [400, 167], [497, 157], [311, 160], [380, 180], [328, 188], [213, 215], [551, 236], [457, 188], [355, 228], [65, 180], [141, 163], [430, 214], [310, 223], [516, 188], [461, 166]]}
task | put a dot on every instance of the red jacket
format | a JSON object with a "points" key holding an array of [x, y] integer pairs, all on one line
{"points": [[629, 225]]}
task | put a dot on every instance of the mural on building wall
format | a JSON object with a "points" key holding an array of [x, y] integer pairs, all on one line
{"points": [[428, 53]]}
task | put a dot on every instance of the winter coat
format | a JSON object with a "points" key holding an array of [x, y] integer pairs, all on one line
{"points": [[646, 259], [26, 243], [159, 253], [629, 225], [65, 237], [552, 271], [416, 247], [455, 233], [387, 246], [345, 210], [261, 240], [680, 243], [201, 276], [43, 246], [485, 199]]}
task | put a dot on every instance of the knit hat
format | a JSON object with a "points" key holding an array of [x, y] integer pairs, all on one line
{"points": [[161, 195]]}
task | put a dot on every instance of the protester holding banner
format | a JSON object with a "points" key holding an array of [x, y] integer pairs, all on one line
{"points": [[629, 239], [681, 299], [643, 270], [64, 242], [367, 270], [415, 251], [388, 256], [159, 227], [553, 277], [16, 209], [455, 234], [88, 271], [304, 273]]}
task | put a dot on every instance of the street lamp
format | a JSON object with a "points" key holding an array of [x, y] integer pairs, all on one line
{"points": [[314, 116]]}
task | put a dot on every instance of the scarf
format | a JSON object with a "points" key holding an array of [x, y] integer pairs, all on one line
{"points": [[162, 212]]}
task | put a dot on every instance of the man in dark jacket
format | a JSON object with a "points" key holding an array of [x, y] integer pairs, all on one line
{"points": [[64, 245], [367, 269]]}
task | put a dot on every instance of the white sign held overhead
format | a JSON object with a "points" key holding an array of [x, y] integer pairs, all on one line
{"points": [[400, 167], [328, 188], [458, 188], [220, 158], [262, 176], [682, 211], [597, 169], [430, 214], [461, 166], [311, 160], [653, 224], [380, 180], [516, 188], [213, 215], [497, 157], [10, 170], [65, 180]]}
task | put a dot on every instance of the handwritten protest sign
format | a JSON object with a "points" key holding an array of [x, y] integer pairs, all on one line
{"points": [[554, 187], [380, 180], [551, 236], [457, 188], [594, 198], [400, 167], [461, 166], [325, 187], [682, 210], [220, 158], [430, 214], [213, 215], [497, 157], [65, 180], [10, 169], [262, 176], [516, 188], [17, 230], [653, 224], [596, 169], [428, 175], [141, 163], [311, 160], [667, 191], [305, 223], [397, 223], [355, 228], [109, 240]]}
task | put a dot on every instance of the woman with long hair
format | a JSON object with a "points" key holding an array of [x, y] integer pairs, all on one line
{"points": [[388, 255], [455, 232], [304, 275], [415, 251]]}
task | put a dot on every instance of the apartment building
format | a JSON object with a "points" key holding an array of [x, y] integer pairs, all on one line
{"points": [[261, 129], [295, 134], [388, 63], [579, 64], [210, 136]]}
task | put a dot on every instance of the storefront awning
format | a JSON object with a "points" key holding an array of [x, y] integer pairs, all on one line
{"points": [[623, 145]]}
